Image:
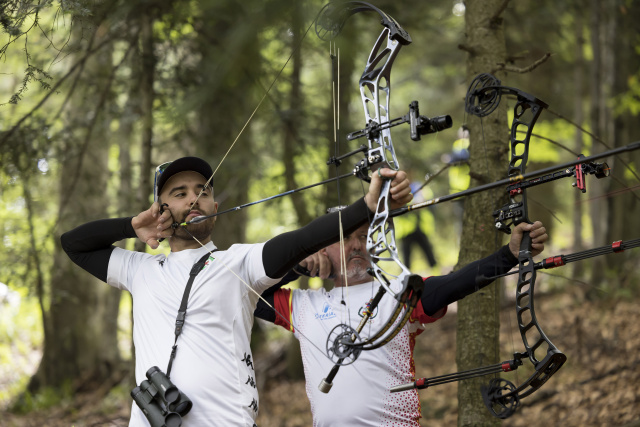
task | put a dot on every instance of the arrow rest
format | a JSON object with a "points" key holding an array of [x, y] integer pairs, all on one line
{"points": [[513, 212]]}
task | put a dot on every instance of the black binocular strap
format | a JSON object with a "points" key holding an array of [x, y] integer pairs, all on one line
{"points": [[182, 311]]}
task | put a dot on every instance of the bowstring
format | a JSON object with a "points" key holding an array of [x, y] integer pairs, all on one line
{"points": [[334, 54], [495, 246], [273, 82], [291, 323]]}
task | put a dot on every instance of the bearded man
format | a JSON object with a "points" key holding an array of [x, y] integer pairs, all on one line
{"points": [[199, 298]]}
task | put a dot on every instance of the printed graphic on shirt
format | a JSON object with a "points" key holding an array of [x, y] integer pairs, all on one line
{"points": [[254, 405], [208, 261], [326, 313], [251, 381], [247, 360]]}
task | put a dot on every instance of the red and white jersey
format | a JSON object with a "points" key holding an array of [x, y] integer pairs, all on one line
{"points": [[360, 395]]}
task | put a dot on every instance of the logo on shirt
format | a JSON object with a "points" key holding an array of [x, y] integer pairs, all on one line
{"points": [[326, 313], [208, 261]]}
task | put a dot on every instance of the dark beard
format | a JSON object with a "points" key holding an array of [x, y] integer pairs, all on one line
{"points": [[199, 231]]}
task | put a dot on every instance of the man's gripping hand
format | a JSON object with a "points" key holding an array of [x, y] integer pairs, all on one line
{"points": [[318, 265], [151, 225], [400, 190], [538, 235]]}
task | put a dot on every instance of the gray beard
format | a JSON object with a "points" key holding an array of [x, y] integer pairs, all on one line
{"points": [[358, 273]]}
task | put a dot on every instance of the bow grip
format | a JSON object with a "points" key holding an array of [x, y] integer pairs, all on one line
{"points": [[525, 246]]}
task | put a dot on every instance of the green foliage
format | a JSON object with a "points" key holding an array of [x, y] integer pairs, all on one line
{"points": [[20, 340], [31, 74], [430, 70], [629, 101], [551, 141], [47, 398]]}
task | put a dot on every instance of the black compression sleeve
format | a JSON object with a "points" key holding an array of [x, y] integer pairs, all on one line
{"points": [[440, 291], [283, 252], [91, 244], [265, 311]]}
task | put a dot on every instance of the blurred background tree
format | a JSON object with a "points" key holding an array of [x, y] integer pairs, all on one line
{"points": [[95, 94]]}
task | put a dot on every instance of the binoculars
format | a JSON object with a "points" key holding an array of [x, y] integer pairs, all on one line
{"points": [[161, 401]]}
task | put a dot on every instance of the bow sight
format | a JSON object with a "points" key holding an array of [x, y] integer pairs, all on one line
{"points": [[419, 125]]}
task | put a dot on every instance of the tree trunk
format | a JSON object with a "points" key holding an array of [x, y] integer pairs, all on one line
{"points": [[598, 121], [478, 321], [578, 118], [350, 59], [229, 72], [292, 119], [147, 97], [82, 339], [622, 207]]}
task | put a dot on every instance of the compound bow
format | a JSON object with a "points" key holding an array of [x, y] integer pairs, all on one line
{"points": [[344, 343], [501, 396]]}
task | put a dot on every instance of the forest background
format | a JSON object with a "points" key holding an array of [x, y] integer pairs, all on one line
{"points": [[94, 95]]}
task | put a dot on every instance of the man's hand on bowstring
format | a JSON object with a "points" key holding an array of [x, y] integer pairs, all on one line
{"points": [[538, 235], [400, 190], [151, 225]]}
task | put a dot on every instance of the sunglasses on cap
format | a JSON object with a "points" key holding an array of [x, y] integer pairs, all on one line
{"points": [[159, 170]]}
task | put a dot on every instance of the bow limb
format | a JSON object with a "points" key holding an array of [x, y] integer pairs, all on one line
{"points": [[375, 92]]}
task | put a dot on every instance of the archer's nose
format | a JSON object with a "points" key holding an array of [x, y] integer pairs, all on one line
{"points": [[357, 244]]}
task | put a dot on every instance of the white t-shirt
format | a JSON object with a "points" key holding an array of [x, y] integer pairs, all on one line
{"points": [[213, 364], [360, 394]]}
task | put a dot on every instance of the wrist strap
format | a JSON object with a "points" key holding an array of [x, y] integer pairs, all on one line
{"points": [[182, 311]]}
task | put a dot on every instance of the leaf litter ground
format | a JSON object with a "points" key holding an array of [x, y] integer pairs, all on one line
{"points": [[597, 386]]}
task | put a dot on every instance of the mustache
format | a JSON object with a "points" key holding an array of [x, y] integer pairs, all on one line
{"points": [[357, 253], [190, 211]]}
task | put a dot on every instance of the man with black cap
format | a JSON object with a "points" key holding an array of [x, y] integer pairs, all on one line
{"points": [[214, 365]]}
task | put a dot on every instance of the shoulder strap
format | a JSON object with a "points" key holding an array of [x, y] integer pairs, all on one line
{"points": [[182, 311]]}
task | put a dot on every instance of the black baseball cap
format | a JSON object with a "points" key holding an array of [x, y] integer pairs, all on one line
{"points": [[183, 164]]}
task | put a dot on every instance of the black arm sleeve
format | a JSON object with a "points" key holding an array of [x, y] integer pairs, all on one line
{"points": [[440, 291], [91, 244], [265, 311], [283, 252]]}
